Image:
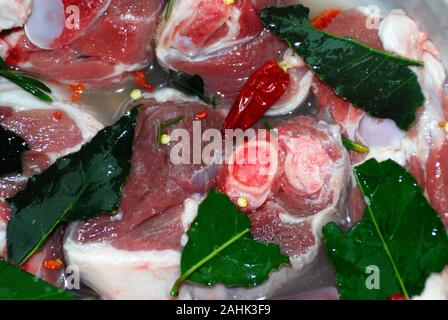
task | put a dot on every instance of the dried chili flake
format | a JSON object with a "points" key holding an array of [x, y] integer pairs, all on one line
{"points": [[202, 115], [77, 90], [57, 115], [325, 18], [140, 81], [53, 264]]}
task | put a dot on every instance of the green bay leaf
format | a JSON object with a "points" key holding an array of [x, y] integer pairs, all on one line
{"points": [[11, 148], [79, 186], [221, 248], [191, 85], [16, 284], [400, 233], [380, 83]]}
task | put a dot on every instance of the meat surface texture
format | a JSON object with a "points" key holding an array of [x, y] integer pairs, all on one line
{"points": [[136, 254], [141, 246], [49, 138], [225, 44], [14, 13], [111, 39], [294, 184]]}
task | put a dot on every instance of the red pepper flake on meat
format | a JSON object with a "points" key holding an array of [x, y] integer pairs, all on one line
{"points": [[261, 91], [77, 90], [14, 56], [140, 81], [202, 115], [53, 264], [325, 18], [57, 115], [397, 296]]}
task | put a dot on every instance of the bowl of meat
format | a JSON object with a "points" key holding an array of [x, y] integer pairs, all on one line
{"points": [[223, 150]]}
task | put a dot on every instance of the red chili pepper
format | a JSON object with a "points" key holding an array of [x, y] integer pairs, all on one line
{"points": [[202, 115], [325, 18], [397, 296], [261, 91]]}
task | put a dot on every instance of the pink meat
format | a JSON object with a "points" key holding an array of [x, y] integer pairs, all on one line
{"points": [[299, 176], [52, 250], [5, 212], [353, 23], [119, 41], [228, 73], [437, 180], [355, 204], [152, 234], [222, 43], [156, 189], [89, 10], [350, 23], [310, 155], [295, 239], [43, 133]]}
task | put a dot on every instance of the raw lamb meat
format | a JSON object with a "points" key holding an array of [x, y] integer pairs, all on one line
{"points": [[114, 37], [136, 254], [36, 123], [225, 44], [422, 148], [294, 184]]}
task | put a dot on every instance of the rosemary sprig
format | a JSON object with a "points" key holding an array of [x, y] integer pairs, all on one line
{"points": [[169, 9], [351, 145], [162, 125], [31, 85]]}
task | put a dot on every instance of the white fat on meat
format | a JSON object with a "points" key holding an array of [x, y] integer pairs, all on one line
{"points": [[14, 13], [299, 89], [121, 274], [148, 275], [19, 100], [168, 40], [436, 287]]}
